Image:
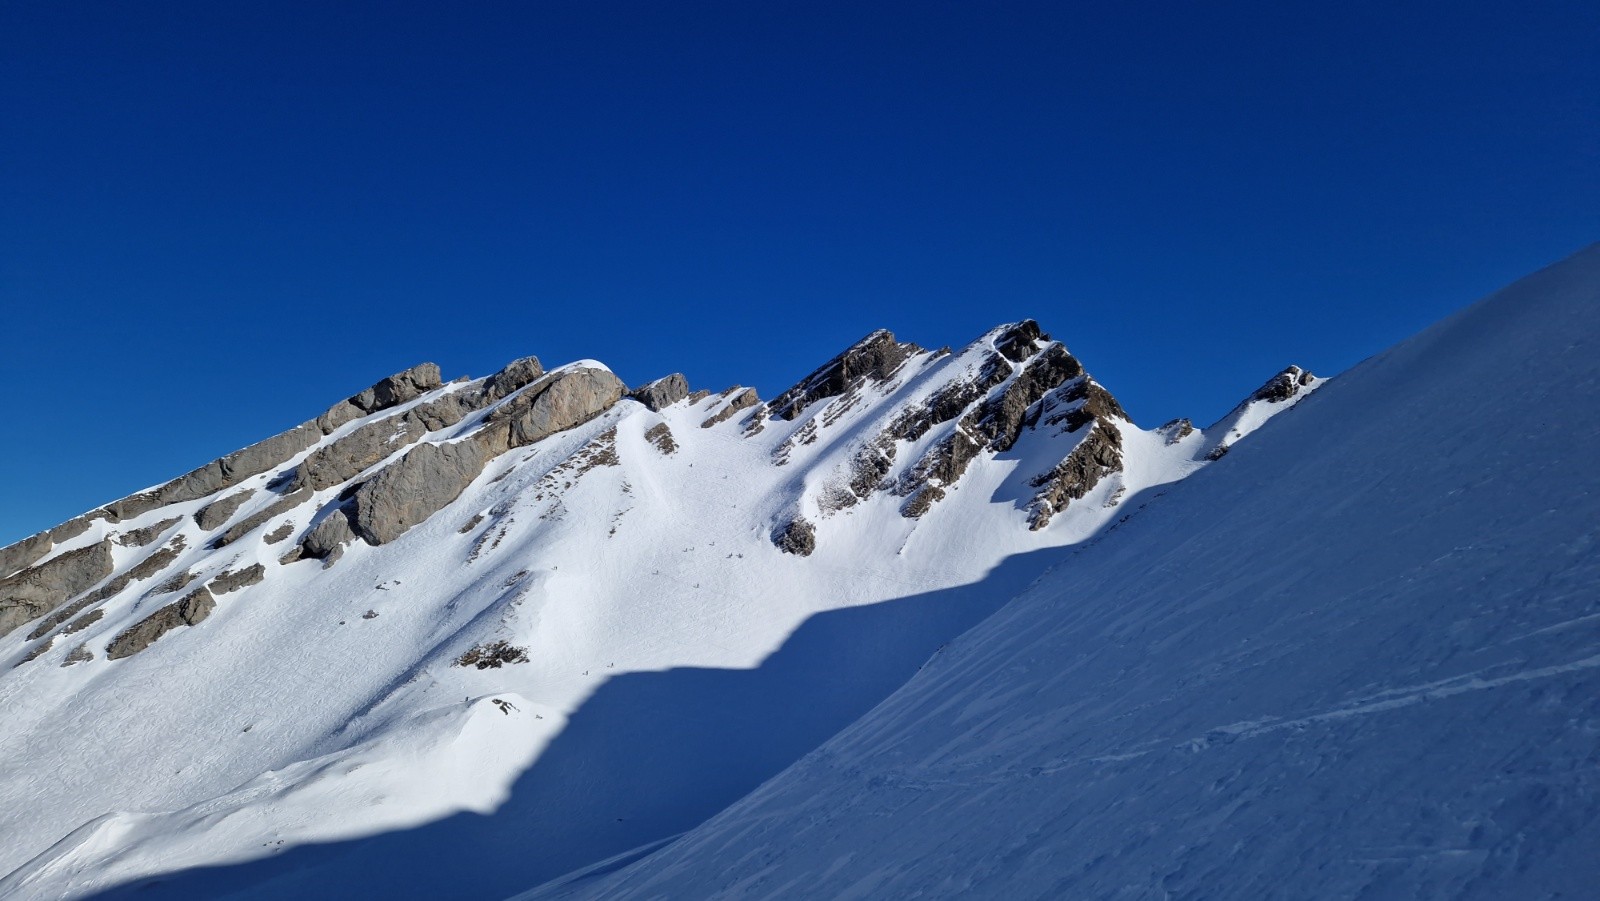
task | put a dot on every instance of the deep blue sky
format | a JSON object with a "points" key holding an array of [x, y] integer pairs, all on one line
{"points": [[218, 218]]}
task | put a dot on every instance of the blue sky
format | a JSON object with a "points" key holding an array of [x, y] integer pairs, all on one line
{"points": [[217, 219]]}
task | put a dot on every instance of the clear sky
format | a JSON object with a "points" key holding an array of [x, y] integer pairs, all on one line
{"points": [[218, 218]]}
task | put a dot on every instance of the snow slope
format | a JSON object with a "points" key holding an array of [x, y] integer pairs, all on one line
{"points": [[1358, 657], [312, 737]]}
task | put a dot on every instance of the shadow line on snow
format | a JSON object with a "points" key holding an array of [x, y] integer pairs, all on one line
{"points": [[656, 752]]}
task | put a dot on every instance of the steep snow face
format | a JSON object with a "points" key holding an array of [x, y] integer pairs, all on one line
{"points": [[460, 638], [1359, 657]]}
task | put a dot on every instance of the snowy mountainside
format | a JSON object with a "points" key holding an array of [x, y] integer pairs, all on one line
{"points": [[1360, 659], [468, 636]]}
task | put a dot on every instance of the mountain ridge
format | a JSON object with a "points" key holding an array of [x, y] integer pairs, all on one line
{"points": [[551, 522]]}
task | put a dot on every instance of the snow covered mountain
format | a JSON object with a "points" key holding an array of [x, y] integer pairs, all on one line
{"points": [[1358, 659], [452, 639]]}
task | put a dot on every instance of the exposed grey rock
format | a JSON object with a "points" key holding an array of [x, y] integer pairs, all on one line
{"points": [[663, 392], [552, 404], [996, 423], [37, 652], [411, 489], [491, 655], [84, 621], [349, 456], [1218, 452], [222, 473], [1284, 385], [280, 533], [1098, 455], [24, 553], [215, 514], [227, 581], [875, 357], [1177, 430], [738, 399], [444, 412], [399, 388], [144, 536], [327, 540], [921, 502], [797, 536], [515, 376], [194, 607], [75, 526], [255, 520], [79, 654], [660, 435], [337, 415], [175, 584], [140, 571], [34, 592]]}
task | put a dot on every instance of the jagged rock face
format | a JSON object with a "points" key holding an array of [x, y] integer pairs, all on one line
{"points": [[876, 356], [1098, 455], [1284, 385], [738, 399], [413, 488], [662, 392], [996, 423], [194, 607], [32, 593]]}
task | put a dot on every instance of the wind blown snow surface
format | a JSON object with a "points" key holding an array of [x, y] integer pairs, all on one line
{"points": [[1359, 657], [312, 737]]}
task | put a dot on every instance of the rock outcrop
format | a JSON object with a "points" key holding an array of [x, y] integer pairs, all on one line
{"points": [[259, 518], [1051, 380], [24, 553], [874, 357], [797, 536], [398, 388], [411, 489], [1098, 455], [223, 473], [663, 392], [327, 539], [737, 398], [554, 403], [144, 569], [510, 379], [660, 435], [233, 580], [194, 607], [32, 593], [1284, 385], [217, 513]]}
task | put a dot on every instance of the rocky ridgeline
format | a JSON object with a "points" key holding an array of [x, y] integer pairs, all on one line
{"points": [[1022, 380], [378, 463], [520, 405]]}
